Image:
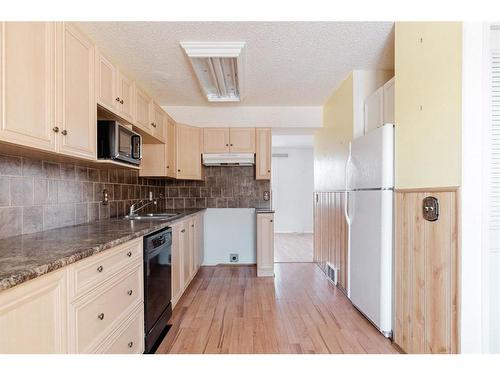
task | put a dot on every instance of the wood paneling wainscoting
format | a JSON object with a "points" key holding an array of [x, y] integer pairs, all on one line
{"points": [[330, 234], [426, 279]]}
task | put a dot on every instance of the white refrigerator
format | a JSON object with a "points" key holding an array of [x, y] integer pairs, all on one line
{"points": [[369, 213]]}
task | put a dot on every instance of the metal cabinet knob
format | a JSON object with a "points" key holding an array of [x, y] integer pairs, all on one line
{"points": [[55, 129], [178, 170], [182, 231], [231, 144], [227, 144], [99, 269], [129, 292], [101, 316], [129, 254], [130, 344], [64, 132], [117, 99], [153, 125], [121, 101]]}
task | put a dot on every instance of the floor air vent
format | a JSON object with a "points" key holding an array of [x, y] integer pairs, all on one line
{"points": [[331, 272]]}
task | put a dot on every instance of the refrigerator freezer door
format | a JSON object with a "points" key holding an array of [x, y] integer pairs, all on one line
{"points": [[370, 256], [371, 163]]}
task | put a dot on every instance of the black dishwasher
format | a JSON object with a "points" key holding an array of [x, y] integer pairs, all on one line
{"points": [[157, 286]]}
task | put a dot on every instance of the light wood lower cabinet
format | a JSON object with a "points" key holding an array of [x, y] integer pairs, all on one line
{"points": [[426, 268], [331, 235], [33, 316], [92, 306], [265, 244], [187, 253]]}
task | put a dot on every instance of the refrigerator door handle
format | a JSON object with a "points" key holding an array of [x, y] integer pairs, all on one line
{"points": [[346, 209]]}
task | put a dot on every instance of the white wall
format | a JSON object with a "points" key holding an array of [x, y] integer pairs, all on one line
{"points": [[227, 231], [292, 187]]}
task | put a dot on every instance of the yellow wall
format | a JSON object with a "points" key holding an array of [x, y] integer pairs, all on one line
{"points": [[428, 92], [331, 141]]}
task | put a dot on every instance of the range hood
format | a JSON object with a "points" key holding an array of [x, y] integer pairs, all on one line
{"points": [[243, 159]]}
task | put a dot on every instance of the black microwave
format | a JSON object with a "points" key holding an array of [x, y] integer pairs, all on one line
{"points": [[117, 142]]}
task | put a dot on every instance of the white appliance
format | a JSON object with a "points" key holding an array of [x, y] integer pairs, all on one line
{"points": [[369, 213], [241, 159]]}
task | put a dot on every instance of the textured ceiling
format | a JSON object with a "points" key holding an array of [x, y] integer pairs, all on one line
{"points": [[288, 63]]}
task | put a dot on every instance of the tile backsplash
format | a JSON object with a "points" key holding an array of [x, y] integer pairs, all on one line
{"points": [[223, 187], [36, 195]]}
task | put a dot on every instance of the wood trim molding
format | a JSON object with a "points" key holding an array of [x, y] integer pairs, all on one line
{"points": [[428, 189]]}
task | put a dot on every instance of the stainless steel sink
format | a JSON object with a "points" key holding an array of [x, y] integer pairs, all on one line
{"points": [[156, 216]]}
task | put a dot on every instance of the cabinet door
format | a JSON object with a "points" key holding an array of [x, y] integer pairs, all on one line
{"points": [[125, 91], [265, 245], [188, 151], [374, 111], [389, 102], [263, 154], [193, 244], [177, 263], [157, 121], [106, 78], [215, 140], [27, 61], [186, 254], [170, 148], [242, 140], [199, 240], [33, 316], [142, 114], [76, 101]]}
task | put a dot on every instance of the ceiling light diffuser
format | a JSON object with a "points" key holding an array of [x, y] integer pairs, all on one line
{"points": [[219, 67]]}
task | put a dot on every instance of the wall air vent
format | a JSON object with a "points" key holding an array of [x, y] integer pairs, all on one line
{"points": [[219, 67]]}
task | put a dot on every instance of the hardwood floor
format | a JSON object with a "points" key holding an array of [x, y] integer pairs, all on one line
{"points": [[293, 247], [227, 309]]}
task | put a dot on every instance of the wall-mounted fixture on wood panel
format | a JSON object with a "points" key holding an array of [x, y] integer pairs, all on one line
{"points": [[426, 266]]}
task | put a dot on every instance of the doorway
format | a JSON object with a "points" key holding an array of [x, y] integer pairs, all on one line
{"points": [[292, 189]]}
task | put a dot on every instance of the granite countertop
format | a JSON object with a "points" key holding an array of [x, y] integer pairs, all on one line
{"points": [[28, 256]]}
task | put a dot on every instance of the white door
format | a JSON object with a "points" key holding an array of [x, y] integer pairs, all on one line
{"points": [[370, 261]]}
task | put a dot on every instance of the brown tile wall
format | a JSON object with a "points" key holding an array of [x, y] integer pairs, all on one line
{"points": [[223, 187], [36, 195]]}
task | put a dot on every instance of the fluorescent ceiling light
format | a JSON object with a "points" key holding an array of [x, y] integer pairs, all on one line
{"points": [[219, 67]]}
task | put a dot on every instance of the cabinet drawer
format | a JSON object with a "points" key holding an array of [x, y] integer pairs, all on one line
{"points": [[97, 313], [128, 339], [88, 273]]}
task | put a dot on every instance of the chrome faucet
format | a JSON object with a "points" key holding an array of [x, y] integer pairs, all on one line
{"points": [[132, 211]]}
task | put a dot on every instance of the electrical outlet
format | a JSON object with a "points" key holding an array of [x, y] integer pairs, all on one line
{"points": [[233, 258]]}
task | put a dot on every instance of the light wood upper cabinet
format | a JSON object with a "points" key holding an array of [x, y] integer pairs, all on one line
{"points": [[265, 244], [27, 114], [158, 118], [142, 114], [76, 105], [188, 152], [263, 154], [170, 144], [33, 316], [242, 140], [215, 140], [126, 95], [105, 79], [222, 140]]}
